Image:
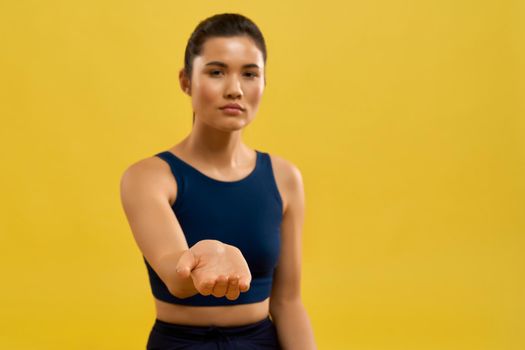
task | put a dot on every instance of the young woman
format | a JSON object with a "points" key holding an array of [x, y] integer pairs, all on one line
{"points": [[219, 224]]}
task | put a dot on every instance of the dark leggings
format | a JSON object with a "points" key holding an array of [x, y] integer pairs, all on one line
{"points": [[170, 336]]}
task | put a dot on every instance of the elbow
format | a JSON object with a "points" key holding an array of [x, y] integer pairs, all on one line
{"points": [[278, 306]]}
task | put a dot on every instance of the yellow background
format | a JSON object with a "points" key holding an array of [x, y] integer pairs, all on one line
{"points": [[406, 119]]}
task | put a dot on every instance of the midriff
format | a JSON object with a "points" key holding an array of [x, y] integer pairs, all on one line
{"points": [[230, 315]]}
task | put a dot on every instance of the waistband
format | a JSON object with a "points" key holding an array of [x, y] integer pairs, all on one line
{"points": [[200, 332]]}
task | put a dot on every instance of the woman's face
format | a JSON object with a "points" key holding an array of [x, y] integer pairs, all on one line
{"points": [[230, 70]]}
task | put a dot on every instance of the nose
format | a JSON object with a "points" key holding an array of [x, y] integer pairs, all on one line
{"points": [[233, 88]]}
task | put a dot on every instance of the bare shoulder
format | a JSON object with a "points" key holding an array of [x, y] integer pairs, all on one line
{"points": [[288, 177], [151, 174]]}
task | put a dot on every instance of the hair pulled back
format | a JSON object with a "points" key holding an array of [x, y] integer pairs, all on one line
{"points": [[220, 25]]}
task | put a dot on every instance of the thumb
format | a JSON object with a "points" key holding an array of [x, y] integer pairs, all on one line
{"points": [[185, 264]]}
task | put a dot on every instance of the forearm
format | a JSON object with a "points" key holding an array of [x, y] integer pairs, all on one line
{"points": [[293, 326], [178, 286]]}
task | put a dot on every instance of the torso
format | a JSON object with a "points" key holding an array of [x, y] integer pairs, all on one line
{"points": [[232, 315]]}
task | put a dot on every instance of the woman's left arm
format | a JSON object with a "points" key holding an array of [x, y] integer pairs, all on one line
{"points": [[286, 307]]}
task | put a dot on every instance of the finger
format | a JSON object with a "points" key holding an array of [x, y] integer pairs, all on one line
{"points": [[233, 288], [185, 264], [244, 284], [221, 285], [206, 286]]}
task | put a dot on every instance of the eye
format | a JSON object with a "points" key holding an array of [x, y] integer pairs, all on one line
{"points": [[252, 74], [212, 73]]}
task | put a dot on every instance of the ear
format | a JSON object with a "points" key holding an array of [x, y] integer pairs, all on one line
{"points": [[185, 83]]}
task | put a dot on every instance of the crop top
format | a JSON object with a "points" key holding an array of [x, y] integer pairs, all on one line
{"points": [[246, 213]]}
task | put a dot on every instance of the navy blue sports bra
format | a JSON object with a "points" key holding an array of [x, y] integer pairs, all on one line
{"points": [[246, 213]]}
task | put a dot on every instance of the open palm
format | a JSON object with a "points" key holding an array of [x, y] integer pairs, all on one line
{"points": [[216, 268]]}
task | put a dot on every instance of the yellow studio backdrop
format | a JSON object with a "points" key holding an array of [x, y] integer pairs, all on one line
{"points": [[406, 119]]}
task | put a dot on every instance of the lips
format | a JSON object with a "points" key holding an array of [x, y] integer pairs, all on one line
{"points": [[233, 106]]}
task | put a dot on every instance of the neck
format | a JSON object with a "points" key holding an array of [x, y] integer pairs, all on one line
{"points": [[223, 149]]}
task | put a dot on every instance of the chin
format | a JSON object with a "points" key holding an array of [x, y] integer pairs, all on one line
{"points": [[233, 124]]}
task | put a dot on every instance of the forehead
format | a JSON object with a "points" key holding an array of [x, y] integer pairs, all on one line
{"points": [[237, 50]]}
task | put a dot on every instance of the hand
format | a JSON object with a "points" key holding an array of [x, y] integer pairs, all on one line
{"points": [[216, 268]]}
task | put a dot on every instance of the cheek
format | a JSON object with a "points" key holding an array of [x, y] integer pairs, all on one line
{"points": [[256, 94], [205, 95]]}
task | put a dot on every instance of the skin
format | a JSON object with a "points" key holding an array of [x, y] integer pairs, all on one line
{"points": [[215, 147]]}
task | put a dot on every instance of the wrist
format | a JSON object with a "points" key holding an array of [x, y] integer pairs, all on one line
{"points": [[207, 244]]}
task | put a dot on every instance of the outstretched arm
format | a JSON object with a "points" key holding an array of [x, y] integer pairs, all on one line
{"points": [[286, 308], [208, 267]]}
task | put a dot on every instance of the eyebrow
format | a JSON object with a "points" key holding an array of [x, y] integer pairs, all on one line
{"points": [[222, 64]]}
